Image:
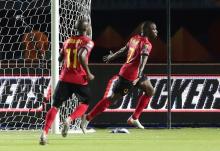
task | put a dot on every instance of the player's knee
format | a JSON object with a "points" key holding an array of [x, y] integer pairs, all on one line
{"points": [[85, 101], [149, 91], [114, 97], [111, 98]]}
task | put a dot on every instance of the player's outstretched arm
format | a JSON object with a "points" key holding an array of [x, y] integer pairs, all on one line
{"points": [[82, 59], [111, 56]]}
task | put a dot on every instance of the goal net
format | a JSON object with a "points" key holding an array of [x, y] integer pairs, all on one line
{"points": [[25, 59]]}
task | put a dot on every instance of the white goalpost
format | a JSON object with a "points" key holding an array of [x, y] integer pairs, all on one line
{"points": [[55, 53], [32, 33]]}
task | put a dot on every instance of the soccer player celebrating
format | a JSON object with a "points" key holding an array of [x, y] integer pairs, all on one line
{"points": [[131, 74], [74, 77]]}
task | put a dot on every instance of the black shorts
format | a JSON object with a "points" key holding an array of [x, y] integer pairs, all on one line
{"points": [[123, 86], [65, 90]]}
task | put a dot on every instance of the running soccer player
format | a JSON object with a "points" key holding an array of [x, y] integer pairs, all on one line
{"points": [[138, 49], [74, 77]]}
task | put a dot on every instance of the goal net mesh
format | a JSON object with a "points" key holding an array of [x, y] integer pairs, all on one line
{"points": [[25, 59]]}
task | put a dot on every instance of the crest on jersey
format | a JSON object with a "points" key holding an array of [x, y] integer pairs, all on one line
{"points": [[145, 49], [146, 46]]}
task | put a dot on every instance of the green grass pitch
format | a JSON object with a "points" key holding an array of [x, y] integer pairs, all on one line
{"points": [[184, 139]]}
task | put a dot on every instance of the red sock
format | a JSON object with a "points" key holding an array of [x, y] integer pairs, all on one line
{"points": [[142, 103], [99, 108], [79, 111], [51, 114]]}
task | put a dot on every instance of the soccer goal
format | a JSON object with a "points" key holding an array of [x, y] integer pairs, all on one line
{"points": [[32, 32]]}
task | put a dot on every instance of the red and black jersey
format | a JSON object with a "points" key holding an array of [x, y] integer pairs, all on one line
{"points": [[72, 71], [137, 46]]}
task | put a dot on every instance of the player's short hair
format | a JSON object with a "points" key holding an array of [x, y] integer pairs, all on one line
{"points": [[81, 24], [146, 24]]}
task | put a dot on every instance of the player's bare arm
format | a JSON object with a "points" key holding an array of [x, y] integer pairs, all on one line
{"points": [[82, 59], [115, 55], [143, 61]]}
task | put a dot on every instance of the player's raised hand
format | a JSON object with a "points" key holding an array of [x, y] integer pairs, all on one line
{"points": [[107, 58]]}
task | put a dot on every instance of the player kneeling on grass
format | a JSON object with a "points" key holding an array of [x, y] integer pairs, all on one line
{"points": [[131, 74], [74, 77]]}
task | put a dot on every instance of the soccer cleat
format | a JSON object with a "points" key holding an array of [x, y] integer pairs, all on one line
{"points": [[65, 128], [84, 123], [43, 139], [135, 123]]}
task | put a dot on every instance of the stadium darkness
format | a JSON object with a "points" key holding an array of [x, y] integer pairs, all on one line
{"points": [[188, 20]]}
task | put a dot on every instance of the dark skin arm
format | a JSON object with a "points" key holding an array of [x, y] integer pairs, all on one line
{"points": [[117, 54], [82, 59], [142, 64], [143, 61]]}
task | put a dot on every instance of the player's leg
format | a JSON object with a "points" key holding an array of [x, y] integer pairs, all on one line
{"points": [[120, 88], [83, 93], [61, 94], [104, 103], [143, 101]]}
